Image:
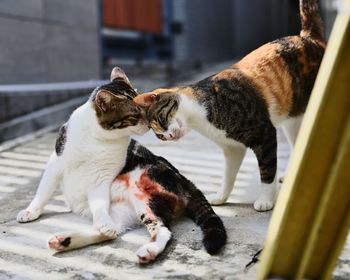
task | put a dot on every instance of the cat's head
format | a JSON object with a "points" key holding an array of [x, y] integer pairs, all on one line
{"points": [[162, 107], [115, 108]]}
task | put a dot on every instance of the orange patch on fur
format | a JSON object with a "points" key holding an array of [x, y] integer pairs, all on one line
{"points": [[146, 99], [124, 178], [269, 73], [187, 91], [150, 188], [147, 186]]}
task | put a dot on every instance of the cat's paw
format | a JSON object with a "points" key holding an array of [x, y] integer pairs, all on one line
{"points": [[107, 229], [215, 199], [147, 253], [175, 131], [262, 205], [27, 215], [59, 242]]}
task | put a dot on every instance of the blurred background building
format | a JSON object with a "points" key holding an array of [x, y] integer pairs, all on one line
{"points": [[51, 41]]}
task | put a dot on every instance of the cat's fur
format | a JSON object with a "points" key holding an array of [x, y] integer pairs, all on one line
{"points": [[105, 174], [241, 106]]}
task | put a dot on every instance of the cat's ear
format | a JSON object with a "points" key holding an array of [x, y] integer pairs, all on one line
{"points": [[118, 73], [146, 99], [103, 100]]}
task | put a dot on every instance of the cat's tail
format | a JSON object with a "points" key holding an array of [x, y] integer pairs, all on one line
{"points": [[76, 239], [310, 20], [201, 212]]}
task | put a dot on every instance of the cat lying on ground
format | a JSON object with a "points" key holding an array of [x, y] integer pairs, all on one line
{"points": [[106, 175]]}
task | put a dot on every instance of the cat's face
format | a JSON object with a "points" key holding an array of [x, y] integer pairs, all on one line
{"points": [[115, 108], [162, 107]]}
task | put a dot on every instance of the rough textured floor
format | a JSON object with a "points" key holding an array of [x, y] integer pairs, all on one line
{"points": [[23, 252], [23, 246]]}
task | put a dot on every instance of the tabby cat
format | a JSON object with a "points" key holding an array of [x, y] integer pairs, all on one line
{"points": [[241, 106], [103, 173]]}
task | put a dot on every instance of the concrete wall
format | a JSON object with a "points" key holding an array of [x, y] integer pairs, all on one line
{"points": [[257, 22], [48, 41], [226, 29], [206, 35]]}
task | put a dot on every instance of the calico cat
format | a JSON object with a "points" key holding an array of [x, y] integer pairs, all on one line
{"points": [[106, 175], [241, 106]]}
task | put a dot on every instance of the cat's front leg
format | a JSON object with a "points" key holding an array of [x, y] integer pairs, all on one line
{"points": [[46, 188], [233, 158], [99, 203]]}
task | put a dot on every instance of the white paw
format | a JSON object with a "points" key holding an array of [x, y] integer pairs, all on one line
{"points": [[147, 253], [263, 205], [25, 215], [59, 242], [215, 199], [107, 229]]}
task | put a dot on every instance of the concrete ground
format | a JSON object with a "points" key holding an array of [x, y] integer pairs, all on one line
{"points": [[23, 252]]}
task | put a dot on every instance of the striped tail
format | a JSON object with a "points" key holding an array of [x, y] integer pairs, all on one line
{"points": [[310, 20], [201, 212]]}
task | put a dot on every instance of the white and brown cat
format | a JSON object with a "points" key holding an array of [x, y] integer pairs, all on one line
{"points": [[105, 174], [243, 105]]}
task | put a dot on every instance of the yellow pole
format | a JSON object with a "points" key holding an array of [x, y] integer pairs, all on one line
{"points": [[318, 181]]}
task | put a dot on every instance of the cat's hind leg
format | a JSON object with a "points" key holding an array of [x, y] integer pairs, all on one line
{"points": [[66, 241], [47, 186], [266, 153], [121, 215], [160, 234], [233, 159]]}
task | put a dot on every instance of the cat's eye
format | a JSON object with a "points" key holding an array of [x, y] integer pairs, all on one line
{"points": [[161, 123], [170, 111]]}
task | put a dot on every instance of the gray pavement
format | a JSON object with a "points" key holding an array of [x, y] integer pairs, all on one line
{"points": [[23, 252]]}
